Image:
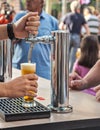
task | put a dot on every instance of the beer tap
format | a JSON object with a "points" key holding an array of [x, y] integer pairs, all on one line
{"points": [[59, 41], [33, 40]]}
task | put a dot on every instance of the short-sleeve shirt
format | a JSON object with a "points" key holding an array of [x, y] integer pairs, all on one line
{"points": [[74, 21], [81, 70], [93, 24]]}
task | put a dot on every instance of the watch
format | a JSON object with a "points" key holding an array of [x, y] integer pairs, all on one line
{"points": [[10, 32]]}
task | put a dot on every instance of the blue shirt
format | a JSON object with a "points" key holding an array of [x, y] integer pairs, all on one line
{"points": [[41, 52]]}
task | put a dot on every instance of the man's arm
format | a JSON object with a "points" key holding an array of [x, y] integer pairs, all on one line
{"points": [[62, 26], [93, 76], [87, 29], [99, 29], [3, 32]]}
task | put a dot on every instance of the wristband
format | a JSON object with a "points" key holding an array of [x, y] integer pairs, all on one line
{"points": [[10, 31]]}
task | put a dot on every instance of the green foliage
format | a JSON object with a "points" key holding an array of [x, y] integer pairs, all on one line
{"points": [[93, 3], [57, 6], [22, 2]]}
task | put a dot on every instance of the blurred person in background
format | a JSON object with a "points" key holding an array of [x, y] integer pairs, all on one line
{"points": [[89, 55], [92, 21], [73, 22], [40, 52], [92, 78], [6, 13]]}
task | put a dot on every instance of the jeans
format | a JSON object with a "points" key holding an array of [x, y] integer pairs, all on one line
{"points": [[74, 45]]}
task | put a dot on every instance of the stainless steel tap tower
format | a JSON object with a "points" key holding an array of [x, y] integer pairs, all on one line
{"points": [[59, 41], [5, 60]]}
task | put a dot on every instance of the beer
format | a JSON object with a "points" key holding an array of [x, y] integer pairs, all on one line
{"points": [[28, 68]]}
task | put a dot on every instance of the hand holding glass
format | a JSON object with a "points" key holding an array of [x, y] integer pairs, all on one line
{"points": [[28, 68]]}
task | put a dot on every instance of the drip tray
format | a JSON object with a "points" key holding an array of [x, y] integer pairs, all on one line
{"points": [[12, 110]]}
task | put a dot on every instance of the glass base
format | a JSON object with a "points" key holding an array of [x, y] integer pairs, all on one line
{"points": [[28, 104], [64, 109]]}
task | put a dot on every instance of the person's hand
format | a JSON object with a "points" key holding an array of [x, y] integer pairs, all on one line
{"points": [[76, 82], [97, 90], [21, 86], [73, 76], [27, 24]]}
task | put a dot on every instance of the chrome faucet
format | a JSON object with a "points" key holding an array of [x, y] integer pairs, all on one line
{"points": [[59, 41]]}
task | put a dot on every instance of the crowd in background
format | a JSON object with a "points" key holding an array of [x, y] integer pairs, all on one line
{"points": [[84, 29], [79, 23]]}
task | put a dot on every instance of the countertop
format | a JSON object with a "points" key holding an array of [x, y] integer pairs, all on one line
{"points": [[85, 115]]}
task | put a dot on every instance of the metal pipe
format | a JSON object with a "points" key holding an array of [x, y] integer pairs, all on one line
{"points": [[60, 72], [5, 60]]}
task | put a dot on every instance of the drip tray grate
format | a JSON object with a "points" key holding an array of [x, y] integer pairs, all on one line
{"points": [[12, 110]]}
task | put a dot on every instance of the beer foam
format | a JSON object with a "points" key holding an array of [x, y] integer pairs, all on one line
{"points": [[28, 65]]}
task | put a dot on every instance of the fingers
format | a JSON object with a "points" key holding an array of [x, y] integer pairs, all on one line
{"points": [[73, 84], [34, 83], [74, 76], [32, 23], [32, 29], [34, 33], [76, 84], [29, 84], [32, 86], [31, 89], [98, 96], [29, 14], [97, 88], [34, 18], [31, 76], [32, 26]]}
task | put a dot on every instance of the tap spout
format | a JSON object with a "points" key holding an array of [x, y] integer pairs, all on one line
{"points": [[42, 39]]}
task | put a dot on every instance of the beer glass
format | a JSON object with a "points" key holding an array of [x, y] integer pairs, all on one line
{"points": [[28, 68]]}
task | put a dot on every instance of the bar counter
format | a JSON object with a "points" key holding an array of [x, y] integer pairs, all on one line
{"points": [[85, 115]]}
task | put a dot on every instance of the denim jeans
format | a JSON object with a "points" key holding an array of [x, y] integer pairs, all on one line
{"points": [[74, 45]]}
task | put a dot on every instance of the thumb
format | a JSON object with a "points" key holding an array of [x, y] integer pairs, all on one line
{"points": [[97, 88], [76, 84]]}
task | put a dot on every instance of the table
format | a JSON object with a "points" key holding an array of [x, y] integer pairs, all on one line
{"points": [[85, 115]]}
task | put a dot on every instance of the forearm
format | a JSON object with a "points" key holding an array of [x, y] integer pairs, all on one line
{"points": [[87, 29], [62, 26], [3, 32], [93, 76]]}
